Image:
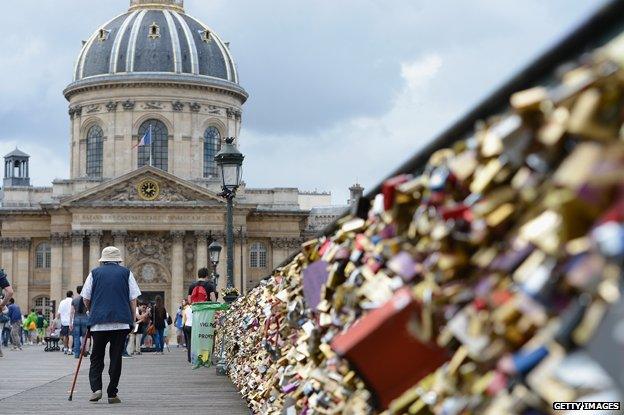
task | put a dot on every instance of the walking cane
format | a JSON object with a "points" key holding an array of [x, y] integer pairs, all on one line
{"points": [[82, 352]]}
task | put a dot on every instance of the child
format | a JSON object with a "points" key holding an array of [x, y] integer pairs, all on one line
{"points": [[54, 333]]}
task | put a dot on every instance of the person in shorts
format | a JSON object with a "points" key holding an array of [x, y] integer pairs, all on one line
{"points": [[64, 314]]}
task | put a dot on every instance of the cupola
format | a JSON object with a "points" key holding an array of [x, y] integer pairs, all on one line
{"points": [[16, 169]]}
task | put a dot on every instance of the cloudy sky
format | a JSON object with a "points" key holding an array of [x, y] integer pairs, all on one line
{"points": [[340, 90]]}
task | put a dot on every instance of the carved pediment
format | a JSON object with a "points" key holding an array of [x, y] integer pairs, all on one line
{"points": [[167, 192], [146, 185]]}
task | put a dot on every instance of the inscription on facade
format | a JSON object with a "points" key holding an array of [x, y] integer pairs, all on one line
{"points": [[146, 218]]}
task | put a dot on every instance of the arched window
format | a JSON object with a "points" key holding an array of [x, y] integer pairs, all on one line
{"points": [[95, 151], [212, 145], [43, 255], [159, 145], [258, 255], [43, 304]]}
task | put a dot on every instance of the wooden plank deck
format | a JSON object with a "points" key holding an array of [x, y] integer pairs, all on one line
{"points": [[35, 382]]}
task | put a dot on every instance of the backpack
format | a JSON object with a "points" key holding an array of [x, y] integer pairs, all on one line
{"points": [[199, 294], [4, 318], [81, 306], [32, 326]]}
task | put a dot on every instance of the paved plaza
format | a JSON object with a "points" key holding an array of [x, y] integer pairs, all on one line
{"points": [[35, 382]]}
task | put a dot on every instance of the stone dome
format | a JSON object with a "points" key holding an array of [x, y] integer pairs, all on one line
{"points": [[155, 38]]}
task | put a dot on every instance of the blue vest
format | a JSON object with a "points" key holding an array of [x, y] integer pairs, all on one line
{"points": [[110, 295]]}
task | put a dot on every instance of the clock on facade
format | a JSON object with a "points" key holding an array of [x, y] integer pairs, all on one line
{"points": [[148, 189]]}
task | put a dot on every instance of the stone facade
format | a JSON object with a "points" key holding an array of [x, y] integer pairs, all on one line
{"points": [[161, 219], [120, 111], [164, 241]]}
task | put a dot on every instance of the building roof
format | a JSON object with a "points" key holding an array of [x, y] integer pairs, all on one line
{"points": [[17, 153], [155, 37]]}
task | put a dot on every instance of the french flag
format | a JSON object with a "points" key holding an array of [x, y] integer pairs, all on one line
{"points": [[146, 140]]}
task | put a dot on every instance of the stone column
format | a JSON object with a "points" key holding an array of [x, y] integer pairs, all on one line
{"points": [[22, 297], [201, 255], [177, 269], [56, 269], [277, 252], [119, 239], [77, 264], [94, 248], [75, 146]]}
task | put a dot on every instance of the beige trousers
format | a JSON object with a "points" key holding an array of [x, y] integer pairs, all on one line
{"points": [[134, 343]]}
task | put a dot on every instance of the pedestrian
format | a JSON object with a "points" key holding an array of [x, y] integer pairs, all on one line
{"points": [[15, 316], [30, 325], [23, 331], [141, 328], [6, 290], [55, 327], [64, 313], [159, 320], [187, 321], [79, 320], [148, 332], [135, 335], [179, 326], [6, 330], [6, 294], [203, 289], [166, 332], [110, 293], [55, 332], [42, 324], [4, 323]]}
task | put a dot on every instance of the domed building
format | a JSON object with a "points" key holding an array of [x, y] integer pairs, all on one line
{"points": [[154, 93], [152, 67]]}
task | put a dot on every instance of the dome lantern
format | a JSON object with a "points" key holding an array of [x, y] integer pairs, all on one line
{"points": [[175, 4]]}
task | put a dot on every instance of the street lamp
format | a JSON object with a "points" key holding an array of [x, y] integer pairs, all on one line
{"points": [[215, 251], [230, 163]]}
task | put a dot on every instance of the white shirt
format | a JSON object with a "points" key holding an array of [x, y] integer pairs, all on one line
{"points": [[135, 292], [64, 310], [188, 314]]}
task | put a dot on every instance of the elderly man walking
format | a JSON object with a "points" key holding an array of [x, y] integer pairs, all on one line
{"points": [[110, 293]]}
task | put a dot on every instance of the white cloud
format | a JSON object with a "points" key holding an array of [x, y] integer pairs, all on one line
{"points": [[360, 148], [419, 72], [29, 72]]}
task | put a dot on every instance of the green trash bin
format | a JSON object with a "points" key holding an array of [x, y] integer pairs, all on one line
{"points": [[202, 334]]}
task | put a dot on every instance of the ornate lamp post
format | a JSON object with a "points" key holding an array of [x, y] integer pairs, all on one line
{"points": [[230, 162], [215, 251]]}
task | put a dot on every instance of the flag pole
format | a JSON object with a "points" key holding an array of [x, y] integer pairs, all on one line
{"points": [[151, 139]]}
